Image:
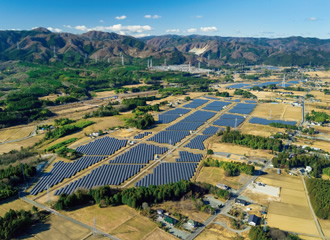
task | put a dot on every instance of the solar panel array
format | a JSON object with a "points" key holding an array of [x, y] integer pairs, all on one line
{"points": [[267, 122], [142, 135], [250, 101], [189, 157], [185, 126], [199, 116], [197, 142], [177, 111], [167, 118], [141, 153], [62, 170], [171, 137], [216, 105], [212, 98], [103, 175], [210, 130], [229, 120], [264, 84], [168, 173], [196, 103], [104, 146], [238, 85], [243, 108], [233, 100], [172, 115]]}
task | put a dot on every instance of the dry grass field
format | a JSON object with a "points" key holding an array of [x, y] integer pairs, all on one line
{"points": [[325, 224], [186, 208], [14, 204], [159, 235], [216, 232], [214, 175], [240, 150], [13, 133], [279, 111], [313, 143], [17, 145], [259, 130], [320, 74], [56, 228], [292, 212], [122, 221]]}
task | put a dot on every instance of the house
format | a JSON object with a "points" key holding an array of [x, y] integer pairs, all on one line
{"points": [[240, 202], [170, 220], [192, 223], [160, 212], [253, 220]]}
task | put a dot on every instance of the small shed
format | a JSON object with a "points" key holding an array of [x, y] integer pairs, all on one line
{"points": [[253, 220]]}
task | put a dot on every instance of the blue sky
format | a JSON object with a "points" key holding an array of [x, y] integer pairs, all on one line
{"points": [[239, 18]]}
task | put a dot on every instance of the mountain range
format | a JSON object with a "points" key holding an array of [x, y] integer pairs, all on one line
{"points": [[42, 45]]}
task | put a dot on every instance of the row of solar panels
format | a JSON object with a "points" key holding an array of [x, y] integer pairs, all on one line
{"points": [[216, 106], [104, 146], [267, 122], [142, 135], [62, 170], [195, 103], [189, 157], [243, 108], [197, 142], [141, 154], [168, 173], [103, 175], [172, 115]]}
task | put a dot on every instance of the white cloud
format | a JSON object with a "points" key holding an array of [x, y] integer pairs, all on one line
{"points": [[141, 35], [312, 19], [191, 30], [209, 29], [173, 30], [54, 29], [198, 16], [134, 30], [101, 21], [67, 26], [121, 17], [266, 33], [152, 16], [81, 28]]}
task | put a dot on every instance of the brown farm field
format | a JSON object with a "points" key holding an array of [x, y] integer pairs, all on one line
{"points": [[13, 203], [278, 111], [122, 221], [240, 150], [55, 228], [13, 133], [292, 212], [259, 130], [216, 232], [214, 175], [4, 148]]}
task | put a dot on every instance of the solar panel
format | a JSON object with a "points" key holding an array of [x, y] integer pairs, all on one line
{"points": [[142, 135], [211, 130], [243, 108], [171, 137], [199, 116], [168, 173], [141, 153], [197, 142], [104, 146], [108, 174], [177, 111], [263, 121], [185, 126], [62, 170], [167, 118], [216, 105], [189, 157], [229, 120], [195, 103]]}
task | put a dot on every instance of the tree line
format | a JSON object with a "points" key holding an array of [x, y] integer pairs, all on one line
{"points": [[282, 125], [319, 193], [287, 160], [231, 168], [255, 142]]}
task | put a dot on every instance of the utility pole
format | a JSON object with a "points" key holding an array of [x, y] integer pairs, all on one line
{"points": [[17, 44]]}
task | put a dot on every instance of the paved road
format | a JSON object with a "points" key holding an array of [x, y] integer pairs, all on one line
{"points": [[68, 218], [230, 229], [312, 210], [227, 206]]}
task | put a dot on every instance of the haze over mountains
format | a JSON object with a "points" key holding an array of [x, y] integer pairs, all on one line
{"points": [[38, 45]]}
